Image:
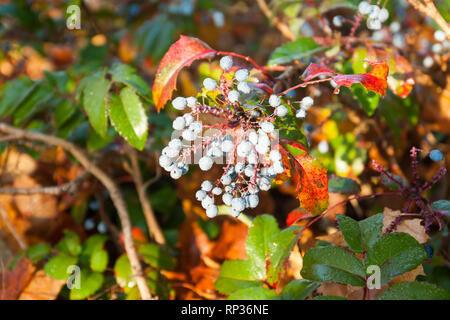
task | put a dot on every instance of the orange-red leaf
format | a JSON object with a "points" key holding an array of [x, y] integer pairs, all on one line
{"points": [[308, 175], [181, 54], [375, 80]]}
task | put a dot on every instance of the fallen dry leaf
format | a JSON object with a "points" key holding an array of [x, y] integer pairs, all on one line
{"points": [[41, 287]]}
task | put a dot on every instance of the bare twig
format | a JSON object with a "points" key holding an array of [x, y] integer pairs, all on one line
{"points": [[284, 29], [109, 184], [11, 228], [428, 8], [68, 187], [152, 223]]}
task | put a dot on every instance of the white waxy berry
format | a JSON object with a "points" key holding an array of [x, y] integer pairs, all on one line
{"points": [[227, 198], [171, 152], [263, 139], [306, 103], [179, 103], [188, 118], [206, 185], [301, 114], [175, 173], [395, 26], [238, 204], [179, 123], [253, 137], [200, 195], [364, 7], [373, 24], [281, 111], [175, 144], [243, 87], [241, 75], [338, 21], [249, 171], [217, 191], [226, 63], [239, 167], [191, 102], [227, 146], [164, 161], [188, 135], [252, 158], [196, 126], [428, 62], [225, 179], [267, 127], [323, 146], [212, 211], [207, 201], [253, 200], [169, 167], [278, 167], [233, 96], [374, 12], [210, 84], [205, 163], [383, 15], [235, 213], [243, 149], [398, 40], [275, 155], [437, 48], [262, 148], [274, 100], [439, 35]]}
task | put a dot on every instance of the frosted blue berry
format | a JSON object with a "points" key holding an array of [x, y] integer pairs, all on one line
{"points": [[436, 155], [225, 179], [179, 103], [243, 87], [205, 163], [364, 7], [238, 204], [275, 155], [212, 211], [281, 111], [233, 96], [301, 114], [191, 102], [241, 75], [207, 186], [210, 84], [267, 127], [226, 63], [227, 198], [200, 195], [217, 191], [179, 123], [274, 100]]}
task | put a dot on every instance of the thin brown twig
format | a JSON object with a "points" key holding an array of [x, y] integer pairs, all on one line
{"points": [[428, 8], [152, 223], [11, 228], [282, 27], [68, 187], [110, 185]]}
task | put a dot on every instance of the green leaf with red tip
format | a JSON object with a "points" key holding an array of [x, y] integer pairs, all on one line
{"points": [[181, 54]]}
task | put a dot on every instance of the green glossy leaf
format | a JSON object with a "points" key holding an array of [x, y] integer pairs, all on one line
{"points": [[122, 124], [38, 252], [95, 92], [63, 111], [263, 228], [155, 256], [35, 102], [299, 289], [369, 100], [371, 229], [395, 254], [90, 283], [294, 50], [99, 260], [13, 93], [135, 112], [57, 266], [123, 273], [415, 291], [96, 142], [94, 243], [254, 293], [279, 249], [333, 264], [127, 75], [70, 244], [338, 184], [235, 275], [351, 232], [442, 206]]}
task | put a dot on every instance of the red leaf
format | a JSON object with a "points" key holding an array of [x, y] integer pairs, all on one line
{"points": [[296, 215], [314, 71], [375, 80], [308, 175], [181, 54]]}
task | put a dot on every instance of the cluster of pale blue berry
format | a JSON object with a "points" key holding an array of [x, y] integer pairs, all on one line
{"points": [[245, 136], [375, 15]]}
